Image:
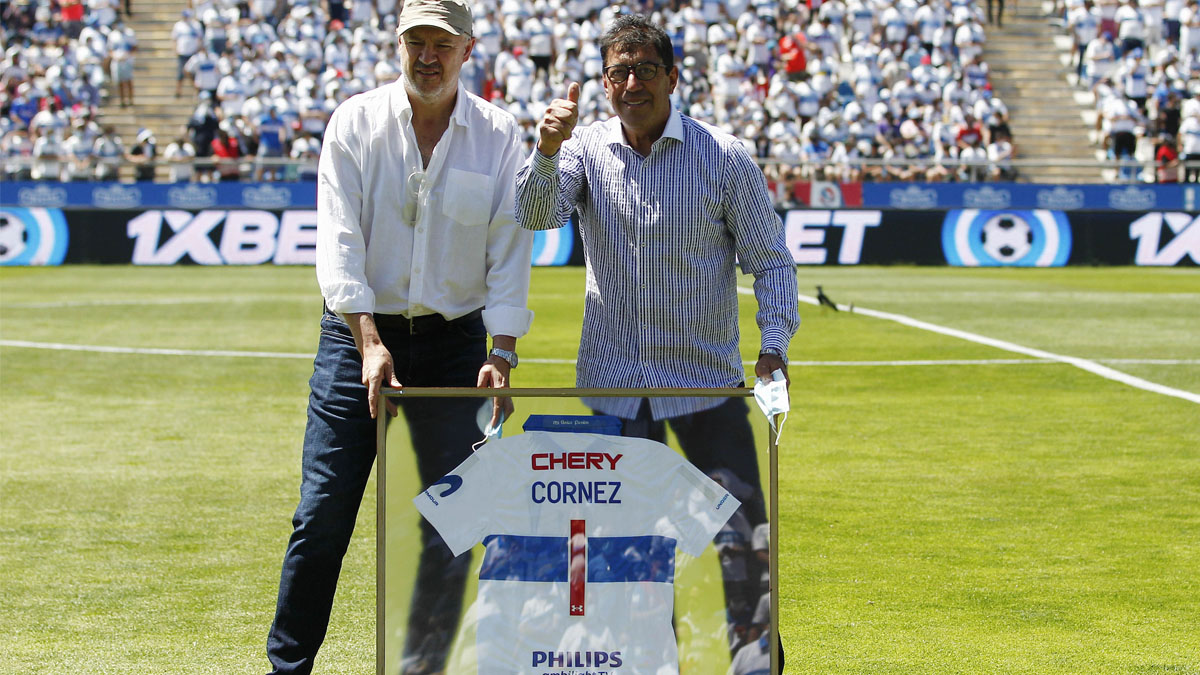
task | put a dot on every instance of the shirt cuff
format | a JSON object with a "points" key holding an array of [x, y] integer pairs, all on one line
{"points": [[349, 299], [775, 338], [544, 166], [514, 321]]}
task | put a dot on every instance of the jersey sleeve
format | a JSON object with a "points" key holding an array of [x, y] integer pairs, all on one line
{"points": [[458, 504], [701, 507]]}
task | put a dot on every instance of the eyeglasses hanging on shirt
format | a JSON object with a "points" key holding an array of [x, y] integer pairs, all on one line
{"points": [[415, 198]]}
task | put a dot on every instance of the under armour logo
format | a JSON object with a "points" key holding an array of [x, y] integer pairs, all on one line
{"points": [[451, 482], [576, 608]]}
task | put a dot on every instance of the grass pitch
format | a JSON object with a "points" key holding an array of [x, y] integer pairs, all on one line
{"points": [[943, 510]]}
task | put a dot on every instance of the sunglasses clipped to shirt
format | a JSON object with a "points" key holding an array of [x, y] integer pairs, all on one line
{"points": [[644, 71]]}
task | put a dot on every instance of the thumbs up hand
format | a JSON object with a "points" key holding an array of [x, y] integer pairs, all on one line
{"points": [[559, 121]]}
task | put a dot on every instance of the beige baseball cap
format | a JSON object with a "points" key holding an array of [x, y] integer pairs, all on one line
{"points": [[453, 16]]}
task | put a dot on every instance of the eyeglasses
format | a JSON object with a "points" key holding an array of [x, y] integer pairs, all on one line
{"points": [[644, 71]]}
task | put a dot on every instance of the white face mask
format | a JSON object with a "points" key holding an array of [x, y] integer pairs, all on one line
{"points": [[490, 433], [772, 398]]}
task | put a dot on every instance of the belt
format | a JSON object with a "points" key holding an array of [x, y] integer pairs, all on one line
{"points": [[425, 324]]}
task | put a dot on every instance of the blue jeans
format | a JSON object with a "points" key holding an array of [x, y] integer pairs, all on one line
{"points": [[339, 450]]}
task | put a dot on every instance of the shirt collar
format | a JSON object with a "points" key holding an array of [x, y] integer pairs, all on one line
{"points": [[403, 106], [674, 129]]}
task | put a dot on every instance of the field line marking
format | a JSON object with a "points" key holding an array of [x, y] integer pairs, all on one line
{"points": [[1084, 364], [104, 349], [150, 350], [137, 302]]}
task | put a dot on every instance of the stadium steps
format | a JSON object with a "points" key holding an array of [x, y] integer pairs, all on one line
{"points": [[155, 106], [1045, 117]]}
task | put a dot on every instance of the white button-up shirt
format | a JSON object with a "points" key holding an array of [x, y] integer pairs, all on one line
{"points": [[394, 237]]}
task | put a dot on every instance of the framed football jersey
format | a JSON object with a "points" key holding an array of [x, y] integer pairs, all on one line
{"points": [[562, 547]]}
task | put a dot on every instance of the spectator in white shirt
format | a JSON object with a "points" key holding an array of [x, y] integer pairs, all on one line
{"points": [[1084, 23], [108, 152], [540, 32], [1134, 73], [77, 156], [47, 154], [1120, 117], [1171, 11], [1189, 146], [1000, 154], [726, 87], [180, 157], [188, 35], [204, 72], [1152, 13], [1189, 32], [515, 74], [969, 39], [1099, 59], [51, 118], [104, 12], [1131, 27]]}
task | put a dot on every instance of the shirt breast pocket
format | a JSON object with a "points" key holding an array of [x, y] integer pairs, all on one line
{"points": [[468, 197]]}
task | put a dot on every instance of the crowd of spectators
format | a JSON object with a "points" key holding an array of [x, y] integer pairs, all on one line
{"points": [[1141, 60], [818, 89], [62, 60]]}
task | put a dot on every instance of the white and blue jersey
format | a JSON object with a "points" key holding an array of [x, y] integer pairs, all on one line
{"points": [[580, 532]]}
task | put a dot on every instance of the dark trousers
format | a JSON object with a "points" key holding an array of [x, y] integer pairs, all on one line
{"points": [[712, 440], [715, 440], [1191, 174], [339, 450], [999, 12], [720, 441]]}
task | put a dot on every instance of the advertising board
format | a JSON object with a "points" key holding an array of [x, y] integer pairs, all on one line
{"points": [[959, 237]]}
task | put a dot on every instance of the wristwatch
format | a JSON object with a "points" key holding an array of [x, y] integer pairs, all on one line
{"points": [[511, 357], [773, 352]]}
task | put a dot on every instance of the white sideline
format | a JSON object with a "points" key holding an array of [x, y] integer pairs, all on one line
{"points": [[1085, 364], [104, 349], [150, 350], [140, 302]]}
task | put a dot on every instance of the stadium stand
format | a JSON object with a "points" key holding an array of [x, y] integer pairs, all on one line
{"points": [[61, 62], [1136, 65], [870, 90]]}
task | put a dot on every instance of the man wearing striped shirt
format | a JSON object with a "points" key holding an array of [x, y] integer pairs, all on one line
{"points": [[665, 206]]}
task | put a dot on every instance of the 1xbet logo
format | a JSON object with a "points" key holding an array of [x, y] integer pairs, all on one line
{"points": [[246, 237], [1183, 240]]}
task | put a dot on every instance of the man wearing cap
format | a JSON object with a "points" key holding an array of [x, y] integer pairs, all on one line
{"points": [[419, 257]]}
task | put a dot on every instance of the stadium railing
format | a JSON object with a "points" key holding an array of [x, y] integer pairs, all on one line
{"points": [[209, 169]]}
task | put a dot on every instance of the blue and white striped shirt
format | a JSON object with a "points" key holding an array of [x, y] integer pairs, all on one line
{"points": [[660, 234]]}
